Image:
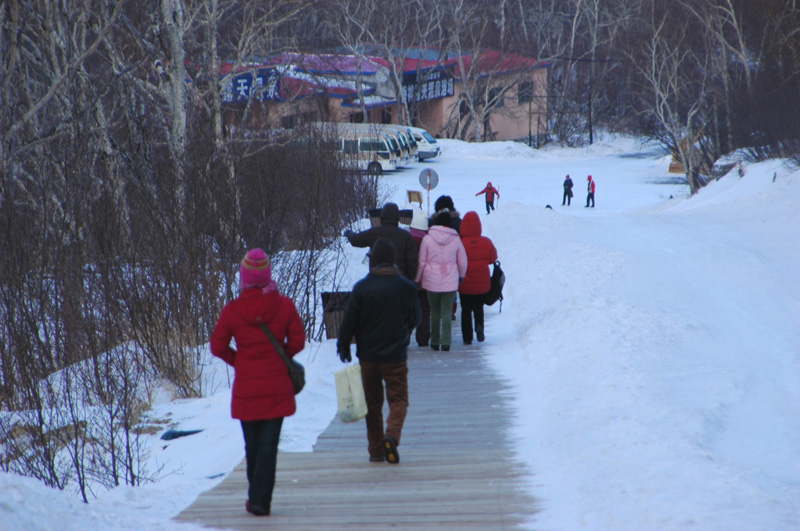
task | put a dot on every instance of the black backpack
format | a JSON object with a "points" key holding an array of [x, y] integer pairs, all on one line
{"points": [[496, 290]]}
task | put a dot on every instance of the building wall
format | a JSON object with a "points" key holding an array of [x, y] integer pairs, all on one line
{"points": [[514, 121]]}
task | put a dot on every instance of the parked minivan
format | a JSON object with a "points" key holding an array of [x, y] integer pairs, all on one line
{"points": [[361, 148], [428, 147], [409, 137], [396, 139]]}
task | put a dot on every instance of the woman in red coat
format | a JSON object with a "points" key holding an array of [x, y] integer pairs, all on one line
{"points": [[473, 289], [263, 393]]}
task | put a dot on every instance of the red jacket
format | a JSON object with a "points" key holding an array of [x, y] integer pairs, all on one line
{"points": [[262, 388], [490, 192], [480, 253]]}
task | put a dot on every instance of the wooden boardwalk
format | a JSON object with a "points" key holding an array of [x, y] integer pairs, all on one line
{"points": [[457, 468]]}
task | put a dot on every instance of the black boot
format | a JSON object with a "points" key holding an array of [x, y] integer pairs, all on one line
{"points": [[479, 333]]}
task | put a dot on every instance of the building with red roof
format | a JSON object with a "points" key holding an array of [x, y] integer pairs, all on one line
{"points": [[508, 92]]}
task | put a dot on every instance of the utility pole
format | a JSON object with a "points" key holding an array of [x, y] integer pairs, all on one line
{"points": [[591, 70]]}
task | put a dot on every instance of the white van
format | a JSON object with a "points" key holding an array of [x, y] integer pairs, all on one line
{"points": [[396, 139], [362, 149], [428, 147], [410, 140]]}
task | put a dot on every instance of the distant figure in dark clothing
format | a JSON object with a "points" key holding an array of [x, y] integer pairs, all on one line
{"points": [[403, 242], [490, 192], [567, 192], [380, 314]]}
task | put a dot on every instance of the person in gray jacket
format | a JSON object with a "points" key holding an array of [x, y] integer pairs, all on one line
{"points": [[406, 260]]}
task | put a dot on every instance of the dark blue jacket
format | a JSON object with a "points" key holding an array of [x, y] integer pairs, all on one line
{"points": [[381, 312]]}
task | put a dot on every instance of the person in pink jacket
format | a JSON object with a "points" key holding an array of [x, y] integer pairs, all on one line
{"points": [[442, 265]]}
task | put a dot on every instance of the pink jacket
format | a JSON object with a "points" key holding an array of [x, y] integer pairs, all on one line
{"points": [[442, 260]]}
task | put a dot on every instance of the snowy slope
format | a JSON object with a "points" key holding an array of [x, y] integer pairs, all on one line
{"points": [[652, 343]]}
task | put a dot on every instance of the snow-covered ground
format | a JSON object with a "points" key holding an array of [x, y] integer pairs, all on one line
{"points": [[653, 343]]}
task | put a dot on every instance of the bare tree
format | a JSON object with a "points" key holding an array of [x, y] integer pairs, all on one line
{"points": [[673, 70]]}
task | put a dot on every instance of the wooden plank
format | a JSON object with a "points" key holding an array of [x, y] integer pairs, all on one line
{"points": [[457, 465]]}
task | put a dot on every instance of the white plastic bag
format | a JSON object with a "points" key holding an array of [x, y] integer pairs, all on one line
{"points": [[350, 393]]}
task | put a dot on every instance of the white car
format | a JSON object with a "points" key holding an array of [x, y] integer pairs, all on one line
{"points": [[428, 147]]}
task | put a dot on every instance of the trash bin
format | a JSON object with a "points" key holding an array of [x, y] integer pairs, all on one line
{"points": [[333, 306], [375, 217]]}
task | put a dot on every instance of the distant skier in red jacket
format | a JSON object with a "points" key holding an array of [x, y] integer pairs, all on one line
{"points": [[490, 192], [263, 393]]}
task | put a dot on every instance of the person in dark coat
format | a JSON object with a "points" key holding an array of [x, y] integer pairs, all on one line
{"points": [[445, 204], [419, 229], [263, 393], [567, 191], [589, 191], [389, 228], [481, 252], [381, 312], [490, 192]]}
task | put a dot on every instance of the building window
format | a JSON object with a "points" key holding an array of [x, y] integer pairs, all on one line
{"points": [[525, 92], [289, 122], [496, 97], [309, 117]]}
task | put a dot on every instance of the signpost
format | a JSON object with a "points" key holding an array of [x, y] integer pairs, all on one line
{"points": [[429, 179]]}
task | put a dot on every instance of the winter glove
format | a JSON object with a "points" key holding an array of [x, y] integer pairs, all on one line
{"points": [[347, 233], [344, 353]]}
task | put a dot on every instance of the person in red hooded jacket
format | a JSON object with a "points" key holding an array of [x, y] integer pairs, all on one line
{"points": [[263, 393], [481, 252], [589, 191], [490, 192]]}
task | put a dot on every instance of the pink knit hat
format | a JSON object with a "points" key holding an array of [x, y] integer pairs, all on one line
{"points": [[255, 269]]}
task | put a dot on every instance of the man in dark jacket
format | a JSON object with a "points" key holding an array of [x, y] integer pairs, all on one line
{"points": [[381, 312], [403, 242], [567, 192]]}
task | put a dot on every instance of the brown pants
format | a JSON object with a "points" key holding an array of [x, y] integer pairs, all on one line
{"points": [[395, 375]]}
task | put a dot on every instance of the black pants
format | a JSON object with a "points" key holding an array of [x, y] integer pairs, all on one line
{"points": [[489, 205], [471, 306], [590, 197], [567, 198], [424, 327], [261, 448]]}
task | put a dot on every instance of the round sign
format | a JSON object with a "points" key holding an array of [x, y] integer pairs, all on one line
{"points": [[428, 178]]}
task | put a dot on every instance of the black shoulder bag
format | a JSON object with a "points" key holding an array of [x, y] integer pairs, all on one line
{"points": [[496, 290], [296, 371]]}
